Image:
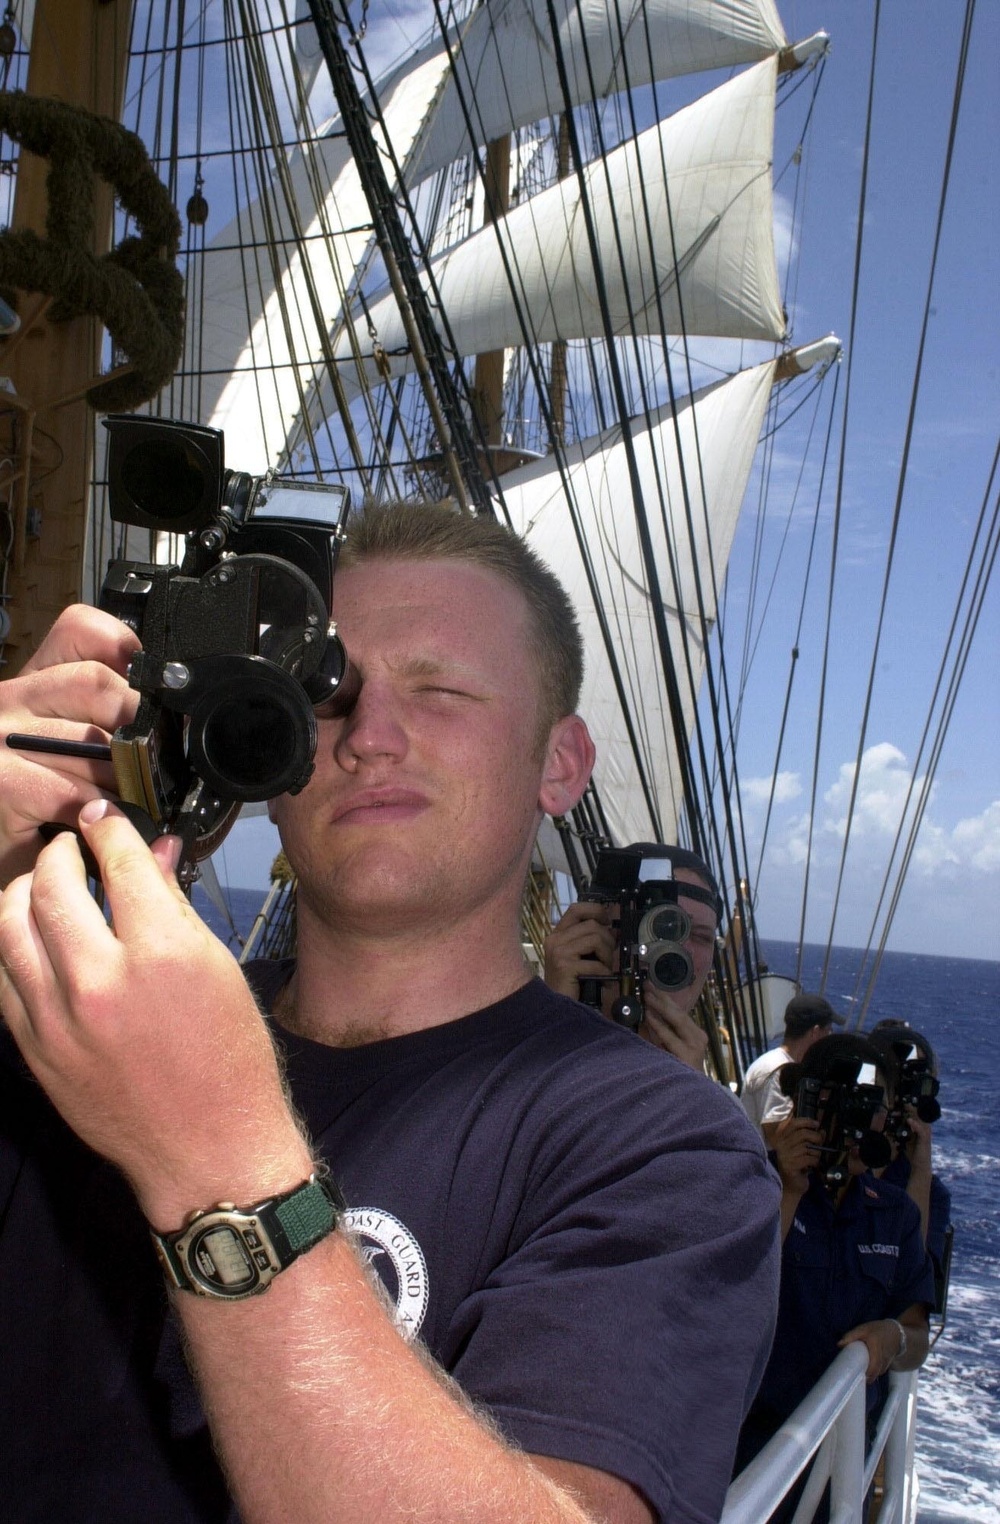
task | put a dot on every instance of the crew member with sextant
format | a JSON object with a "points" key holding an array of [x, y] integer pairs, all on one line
{"points": [[915, 1110], [578, 1235], [853, 1266]]}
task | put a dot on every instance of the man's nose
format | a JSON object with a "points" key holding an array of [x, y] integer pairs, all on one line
{"points": [[373, 728]]}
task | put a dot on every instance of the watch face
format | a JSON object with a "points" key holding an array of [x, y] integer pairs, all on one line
{"points": [[221, 1260]]}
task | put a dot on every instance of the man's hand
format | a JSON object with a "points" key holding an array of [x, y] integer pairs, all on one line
{"points": [[667, 1024], [144, 1033], [797, 1142], [581, 945], [882, 1341], [918, 1144], [74, 687]]}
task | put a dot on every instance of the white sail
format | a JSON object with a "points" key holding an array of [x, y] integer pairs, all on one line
{"points": [[699, 183], [506, 72], [267, 308], [720, 427]]}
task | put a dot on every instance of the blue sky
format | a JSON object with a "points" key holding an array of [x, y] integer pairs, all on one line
{"points": [[948, 902]]}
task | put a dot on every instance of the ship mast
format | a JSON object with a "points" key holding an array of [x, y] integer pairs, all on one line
{"points": [[487, 384], [79, 55]]}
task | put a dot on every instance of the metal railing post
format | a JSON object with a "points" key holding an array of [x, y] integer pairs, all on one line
{"points": [[847, 1480], [838, 1395]]}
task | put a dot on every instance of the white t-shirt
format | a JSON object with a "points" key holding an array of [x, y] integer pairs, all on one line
{"points": [[761, 1094]]}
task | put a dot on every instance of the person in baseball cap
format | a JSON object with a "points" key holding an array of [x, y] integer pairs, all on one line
{"points": [[808, 1019]]}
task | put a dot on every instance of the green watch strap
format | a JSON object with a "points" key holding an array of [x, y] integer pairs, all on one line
{"points": [[307, 1215]]}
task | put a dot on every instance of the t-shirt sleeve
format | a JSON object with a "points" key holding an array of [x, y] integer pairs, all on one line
{"points": [[774, 1104], [628, 1326]]}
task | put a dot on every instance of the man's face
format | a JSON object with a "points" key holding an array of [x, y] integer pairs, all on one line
{"points": [[700, 945], [425, 799]]}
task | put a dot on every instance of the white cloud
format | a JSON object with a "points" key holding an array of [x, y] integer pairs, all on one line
{"points": [[795, 846], [883, 793], [958, 855], [973, 845], [786, 786]]}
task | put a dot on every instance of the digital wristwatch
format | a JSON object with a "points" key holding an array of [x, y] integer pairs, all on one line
{"points": [[233, 1252]]}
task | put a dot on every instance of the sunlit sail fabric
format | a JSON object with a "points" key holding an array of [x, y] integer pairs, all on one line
{"points": [[721, 425], [506, 74], [264, 317], [531, 274]]}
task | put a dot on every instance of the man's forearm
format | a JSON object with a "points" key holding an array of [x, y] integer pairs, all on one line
{"points": [[321, 1412]]}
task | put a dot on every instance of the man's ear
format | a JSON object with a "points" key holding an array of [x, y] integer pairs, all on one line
{"points": [[569, 760]]}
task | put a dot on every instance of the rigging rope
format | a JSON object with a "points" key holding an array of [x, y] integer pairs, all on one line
{"points": [[904, 463], [839, 497], [971, 621]]}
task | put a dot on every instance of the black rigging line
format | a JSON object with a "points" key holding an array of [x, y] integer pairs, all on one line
{"points": [[204, 43], [753, 637], [453, 425], [175, 115], [639, 509], [985, 567], [798, 628], [674, 700], [731, 804], [700, 828], [904, 463], [985, 573], [326, 365], [734, 834], [841, 468]]}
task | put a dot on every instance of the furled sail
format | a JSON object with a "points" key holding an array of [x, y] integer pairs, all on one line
{"points": [[718, 428], [506, 72], [697, 185]]}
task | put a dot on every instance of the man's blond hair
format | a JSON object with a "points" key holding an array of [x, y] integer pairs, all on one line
{"points": [[437, 532]]}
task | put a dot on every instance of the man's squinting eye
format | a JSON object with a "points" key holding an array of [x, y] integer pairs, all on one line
{"points": [[442, 689]]}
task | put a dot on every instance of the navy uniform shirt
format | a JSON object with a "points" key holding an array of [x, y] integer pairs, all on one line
{"points": [[579, 1228], [861, 1262]]}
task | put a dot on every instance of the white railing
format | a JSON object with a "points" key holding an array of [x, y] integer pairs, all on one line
{"points": [[830, 1424]]}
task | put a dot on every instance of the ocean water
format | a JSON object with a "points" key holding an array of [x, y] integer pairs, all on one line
{"points": [[955, 1003]]}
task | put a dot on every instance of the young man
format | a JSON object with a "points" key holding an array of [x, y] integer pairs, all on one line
{"points": [[582, 945], [808, 1019], [581, 1234]]}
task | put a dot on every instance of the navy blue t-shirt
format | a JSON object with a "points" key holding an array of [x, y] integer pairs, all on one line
{"points": [[840, 1268], [581, 1230]]}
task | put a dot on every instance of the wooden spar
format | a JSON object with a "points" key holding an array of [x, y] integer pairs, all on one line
{"points": [[79, 54], [487, 385]]}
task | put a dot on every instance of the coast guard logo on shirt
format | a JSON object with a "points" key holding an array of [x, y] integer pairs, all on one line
{"points": [[890, 1249], [393, 1253]]}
